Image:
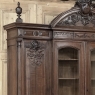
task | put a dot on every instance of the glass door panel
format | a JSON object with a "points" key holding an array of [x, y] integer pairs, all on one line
{"points": [[68, 71], [93, 72]]}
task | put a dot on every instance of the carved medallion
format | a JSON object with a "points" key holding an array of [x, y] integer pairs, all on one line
{"points": [[35, 52]]}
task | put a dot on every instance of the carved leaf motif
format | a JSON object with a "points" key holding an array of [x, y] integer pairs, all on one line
{"points": [[85, 15], [36, 52], [70, 20], [85, 20], [73, 19]]}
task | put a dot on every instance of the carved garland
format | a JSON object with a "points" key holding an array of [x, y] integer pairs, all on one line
{"points": [[36, 52]]}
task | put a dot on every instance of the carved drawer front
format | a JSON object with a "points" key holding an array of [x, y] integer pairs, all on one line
{"points": [[63, 34], [84, 35], [37, 34], [73, 35]]}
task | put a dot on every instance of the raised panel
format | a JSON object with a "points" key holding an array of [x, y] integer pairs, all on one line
{"points": [[4, 77], [46, 12], [48, 18], [39, 0], [6, 1], [1, 76], [37, 68]]}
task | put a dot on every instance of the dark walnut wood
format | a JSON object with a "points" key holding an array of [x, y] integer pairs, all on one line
{"points": [[54, 59]]}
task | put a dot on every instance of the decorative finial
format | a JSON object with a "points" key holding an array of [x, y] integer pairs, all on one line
{"points": [[85, 5], [19, 11]]}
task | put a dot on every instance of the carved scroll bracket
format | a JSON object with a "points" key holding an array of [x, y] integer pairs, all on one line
{"points": [[35, 52]]}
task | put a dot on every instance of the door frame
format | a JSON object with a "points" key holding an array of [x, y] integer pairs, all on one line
{"points": [[57, 44]]}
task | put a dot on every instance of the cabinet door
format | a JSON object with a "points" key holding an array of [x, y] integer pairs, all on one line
{"points": [[36, 67], [90, 69], [68, 68]]}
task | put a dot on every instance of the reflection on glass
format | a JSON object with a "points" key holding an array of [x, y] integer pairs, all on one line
{"points": [[93, 72], [68, 71]]}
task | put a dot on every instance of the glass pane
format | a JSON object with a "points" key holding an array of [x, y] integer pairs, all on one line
{"points": [[93, 72], [68, 72]]}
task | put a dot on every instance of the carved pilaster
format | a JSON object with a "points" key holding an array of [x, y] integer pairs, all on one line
{"points": [[19, 41]]}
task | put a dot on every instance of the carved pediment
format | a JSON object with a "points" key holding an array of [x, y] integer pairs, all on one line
{"points": [[82, 14]]}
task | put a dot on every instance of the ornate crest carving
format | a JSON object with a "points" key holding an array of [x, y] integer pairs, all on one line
{"points": [[76, 18], [82, 14], [35, 52]]}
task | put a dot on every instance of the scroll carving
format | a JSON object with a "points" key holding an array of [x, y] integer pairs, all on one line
{"points": [[84, 16], [35, 52]]}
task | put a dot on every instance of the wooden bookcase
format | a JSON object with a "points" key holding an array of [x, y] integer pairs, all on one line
{"points": [[55, 59]]}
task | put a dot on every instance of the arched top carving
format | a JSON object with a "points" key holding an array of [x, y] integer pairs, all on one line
{"points": [[82, 14]]}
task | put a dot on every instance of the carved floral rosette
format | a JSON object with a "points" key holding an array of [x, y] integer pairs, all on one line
{"points": [[36, 52]]}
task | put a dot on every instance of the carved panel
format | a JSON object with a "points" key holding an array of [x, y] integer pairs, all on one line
{"points": [[73, 35], [4, 77], [36, 33], [63, 35], [35, 52], [84, 35], [35, 67], [76, 19]]}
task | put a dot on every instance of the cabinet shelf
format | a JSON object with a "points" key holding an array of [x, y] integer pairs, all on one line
{"points": [[61, 59], [93, 79], [92, 60], [67, 78]]}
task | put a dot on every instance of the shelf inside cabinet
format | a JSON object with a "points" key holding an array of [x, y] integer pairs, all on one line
{"points": [[67, 78], [62, 59], [92, 78], [92, 60]]}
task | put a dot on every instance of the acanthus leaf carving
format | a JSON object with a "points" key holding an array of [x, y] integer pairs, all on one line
{"points": [[35, 52]]}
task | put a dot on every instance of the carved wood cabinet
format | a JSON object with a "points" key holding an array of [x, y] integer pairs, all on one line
{"points": [[55, 59]]}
